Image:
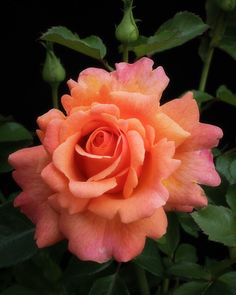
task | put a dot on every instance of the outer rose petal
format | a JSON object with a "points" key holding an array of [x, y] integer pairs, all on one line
{"points": [[97, 239], [185, 193], [29, 163], [140, 78], [184, 111]]}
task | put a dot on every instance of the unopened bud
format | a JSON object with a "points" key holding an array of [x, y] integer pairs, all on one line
{"points": [[226, 5], [53, 71], [127, 30]]}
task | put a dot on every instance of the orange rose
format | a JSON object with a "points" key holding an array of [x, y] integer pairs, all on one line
{"points": [[107, 169]]}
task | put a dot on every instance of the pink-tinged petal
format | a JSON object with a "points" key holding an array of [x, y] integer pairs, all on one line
{"points": [[51, 139], [65, 200], [149, 195], [91, 189], [177, 207], [97, 239], [184, 111], [54, 178], [203, 136], [29, 162], [198, 166], [47, 229], [64, 158], [85, 233], [185, 195], [139, 77], [48, 117], [165, 127]]}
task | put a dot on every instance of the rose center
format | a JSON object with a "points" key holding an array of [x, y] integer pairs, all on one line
{"points": [[101, 142]]}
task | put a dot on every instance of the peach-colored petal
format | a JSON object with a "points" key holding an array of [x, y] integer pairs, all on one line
{"points": [[94, 238], [54, 178], [185, 195], [134, 104], [29, 163], [91, 189], [149, 195], [64, 157], [51, 139], [165, 127], [47, 230], [48, 117], [140, 78], [65, 200], [137, 155], [184, 111]]}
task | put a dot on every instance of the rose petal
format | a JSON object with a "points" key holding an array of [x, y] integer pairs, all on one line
{"points": [[184, 111], [29, 163], [91, 189], [203, 136], [54, 178], [94, 238], [165, 127], [47, 230], [48, 117], [149, 195], [64, 158], [139, 77]]}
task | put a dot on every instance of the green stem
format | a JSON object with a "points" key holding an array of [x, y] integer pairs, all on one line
{"points": [[166, 283], [125, 53], [54, 88], [106, 65], [218, 32], [205, 70], [142, 281]]}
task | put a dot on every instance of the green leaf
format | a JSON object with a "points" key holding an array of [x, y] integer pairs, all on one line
{"points": [[191, 288], [229, 279], [215, 194], [183, 27], [218, 223], [223, 165], [150, 259], [187, 223], [225, 95], [189, 270], [169, 242], [201, 96], [91, 46], [11, 132], [13, 136], [218, 287], [77, 267], [110, 285], [228, 41], [16, 236], [18, 290], [185, 253], [232, 169], [231, 197]]}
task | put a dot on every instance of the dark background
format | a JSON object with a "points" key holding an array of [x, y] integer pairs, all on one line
{"points": [[26, 96]]}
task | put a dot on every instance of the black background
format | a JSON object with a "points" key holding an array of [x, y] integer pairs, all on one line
{"points": [[26, 96]]}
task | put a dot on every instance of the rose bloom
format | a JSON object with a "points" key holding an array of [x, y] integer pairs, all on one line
{"points": [[109, 168]]}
